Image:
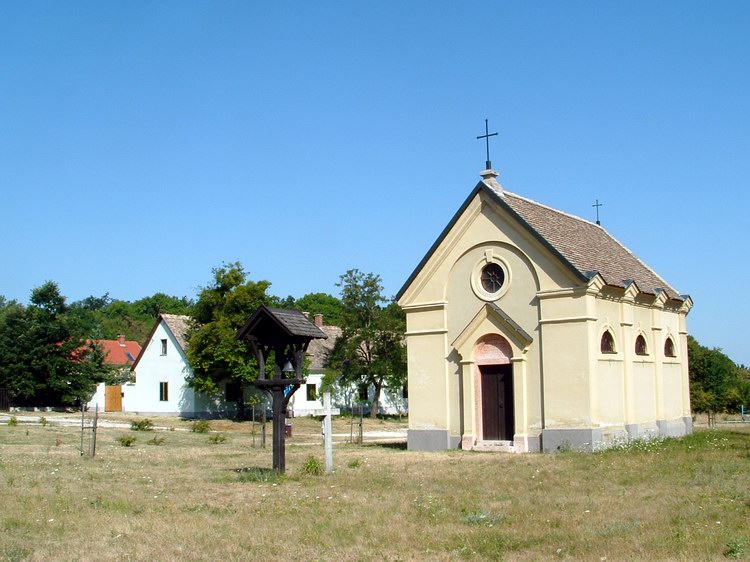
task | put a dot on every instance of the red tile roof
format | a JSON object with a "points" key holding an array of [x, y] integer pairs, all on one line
{"points": [[119, 352]]}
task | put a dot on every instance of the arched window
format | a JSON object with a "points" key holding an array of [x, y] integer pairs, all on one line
{"points": [[669, 348], [608, 342], [640, 345]]}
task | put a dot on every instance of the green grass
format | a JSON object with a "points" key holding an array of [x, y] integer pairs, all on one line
{"points": [[188, 499]]}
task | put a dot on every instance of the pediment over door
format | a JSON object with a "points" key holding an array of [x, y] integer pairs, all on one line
{"points": [[491, 319]]}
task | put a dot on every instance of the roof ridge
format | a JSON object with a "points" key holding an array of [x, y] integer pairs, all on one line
{"points": [[569, 215]]}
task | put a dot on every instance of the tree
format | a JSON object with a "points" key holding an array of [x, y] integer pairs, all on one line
{"points": [[717, 384], [44, 360], [214, 353], [370, 350], [322, 303]]}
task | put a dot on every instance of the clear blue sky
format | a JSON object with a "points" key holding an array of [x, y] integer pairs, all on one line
{"points": [[144, 143]]}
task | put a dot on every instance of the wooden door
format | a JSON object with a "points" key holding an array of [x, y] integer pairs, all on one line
{"points": [[113, 398], [497, 402]]}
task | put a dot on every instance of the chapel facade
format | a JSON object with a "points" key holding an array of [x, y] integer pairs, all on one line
{"points": [[529, 329]]}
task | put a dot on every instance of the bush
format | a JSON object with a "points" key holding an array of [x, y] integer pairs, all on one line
{"points": [[142, 425], [43, 421], [354, 463], [126, 440], [217, 439], [156, 440], [200, 426], [312, 466], [13, 421]]}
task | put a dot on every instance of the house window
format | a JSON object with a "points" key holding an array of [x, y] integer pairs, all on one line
{"points": [[640, 346], [163, 347], [669, 348], [233, 391], [608, 342], [405, 392], [362, 393], [312, 392], [163, 391]]}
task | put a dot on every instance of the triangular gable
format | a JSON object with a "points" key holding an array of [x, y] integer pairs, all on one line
{"points": [[518, 336], [176, 325], [282, 323], [497, 199], [582, 247]]}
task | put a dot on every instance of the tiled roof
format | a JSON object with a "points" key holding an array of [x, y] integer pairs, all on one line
{"points": [[179, 326], [117, 354], [318, 350], [586, 246], [296, 323], [292, 323]]}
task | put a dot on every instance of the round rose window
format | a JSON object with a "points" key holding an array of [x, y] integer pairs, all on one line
{"points": [[492, 277]]}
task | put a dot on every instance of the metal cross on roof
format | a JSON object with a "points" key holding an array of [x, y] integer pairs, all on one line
{"points": [[486, 136], [597, 205]]}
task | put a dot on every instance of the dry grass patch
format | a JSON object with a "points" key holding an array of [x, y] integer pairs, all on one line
{"points": [[188, 499]]}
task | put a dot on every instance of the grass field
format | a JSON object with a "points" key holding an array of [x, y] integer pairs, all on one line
{"points": [[189, 498]]}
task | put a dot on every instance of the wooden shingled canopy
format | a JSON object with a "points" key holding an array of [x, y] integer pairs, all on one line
{"points": [[287, 333]]}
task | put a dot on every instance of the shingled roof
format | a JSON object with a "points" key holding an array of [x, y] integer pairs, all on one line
{"points": [[293, 323], [179, 326], [584, 247], [319, 350]]}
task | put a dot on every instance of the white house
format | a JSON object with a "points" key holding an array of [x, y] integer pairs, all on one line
{"points": [[160, 372], [307, 401]]}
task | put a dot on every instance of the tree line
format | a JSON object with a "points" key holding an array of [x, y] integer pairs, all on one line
{"points": [[48, 356]]}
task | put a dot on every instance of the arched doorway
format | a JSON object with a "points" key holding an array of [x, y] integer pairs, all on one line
{"points": [[495, 384]]}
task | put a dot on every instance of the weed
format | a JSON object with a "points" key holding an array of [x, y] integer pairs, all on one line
{"points": [[481, 517], [354, 463], [13, 421], [736, 549], [43, 421], [126, 440], [217, 439], [312, 466], [58, 441], [142, 425], [200, 426], [156, 440], [263, 475]]}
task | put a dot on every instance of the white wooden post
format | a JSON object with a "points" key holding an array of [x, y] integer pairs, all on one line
{"points": [[327, 431]]}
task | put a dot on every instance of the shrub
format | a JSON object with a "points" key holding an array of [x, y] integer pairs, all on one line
{"points": [[43, 421], [312, 466], [126, 440], [156, 440], [13, 421], [142, 425], [200, 426], [217, 439], [354, 463]]}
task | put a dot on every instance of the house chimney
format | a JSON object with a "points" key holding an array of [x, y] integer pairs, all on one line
{"points": [[121, 340], [307, 315], [318, 320]]}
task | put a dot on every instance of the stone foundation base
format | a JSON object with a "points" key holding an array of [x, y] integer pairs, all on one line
{"points": [[558, 440], [431, 440]]}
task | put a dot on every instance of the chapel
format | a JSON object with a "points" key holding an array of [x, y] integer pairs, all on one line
{"points": [[529, 329]]}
